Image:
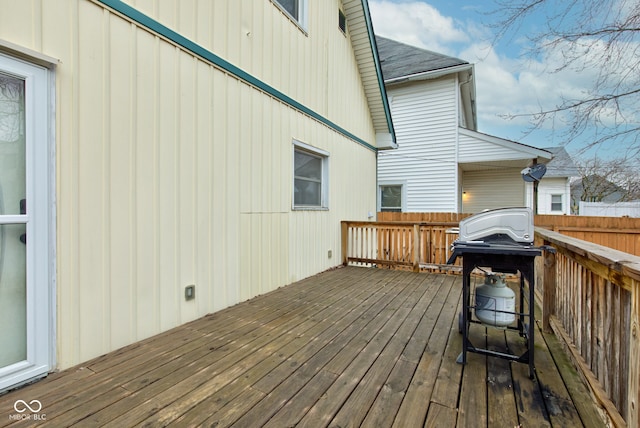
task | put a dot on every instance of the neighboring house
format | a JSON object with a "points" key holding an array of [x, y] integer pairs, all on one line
{"points": [[554, 190], [610, 209], [596, 188], [164, 160], [594, 195], [442, 163]]}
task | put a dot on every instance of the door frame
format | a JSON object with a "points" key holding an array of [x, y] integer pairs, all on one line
{"points": [[39, 77]]}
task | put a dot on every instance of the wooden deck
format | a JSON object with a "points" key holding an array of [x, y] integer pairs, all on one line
{"points": [[349, 347]]}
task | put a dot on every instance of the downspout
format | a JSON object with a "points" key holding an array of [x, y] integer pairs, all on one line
{"points": [[471, 102], [459, 178]]}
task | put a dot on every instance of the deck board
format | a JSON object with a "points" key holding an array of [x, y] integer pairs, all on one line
{"points": [[349, 347]]}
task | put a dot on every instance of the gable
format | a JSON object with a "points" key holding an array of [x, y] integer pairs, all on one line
{"points": [[482, 149]]}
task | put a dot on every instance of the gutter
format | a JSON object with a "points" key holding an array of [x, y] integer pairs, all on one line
{"points": [[427, 75]]}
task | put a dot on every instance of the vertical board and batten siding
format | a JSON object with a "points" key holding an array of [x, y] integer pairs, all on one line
{"points": [[490, 189], [171, 172], [425, 118], [259, 38]]}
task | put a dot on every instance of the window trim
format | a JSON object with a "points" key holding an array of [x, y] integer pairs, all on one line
{"points": [[303, 7], [403, 192], [342, 22], [299, 146], [561, 202]]}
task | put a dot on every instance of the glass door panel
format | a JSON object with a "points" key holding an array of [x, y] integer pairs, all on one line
{"points": [[13, 222], [13, 295]]}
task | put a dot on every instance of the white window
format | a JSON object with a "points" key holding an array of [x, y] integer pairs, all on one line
{"points": [[556, 203], [310, 177], [296, 9], [342, 22], [391, 197]]}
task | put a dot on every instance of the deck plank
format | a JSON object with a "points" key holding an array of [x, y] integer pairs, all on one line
{"points": [[349, 347], [413, 409], [529, 400], [472, 408], [449, 376], [502, 411]]}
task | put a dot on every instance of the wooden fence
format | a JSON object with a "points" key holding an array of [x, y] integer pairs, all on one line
{"points": [[590, 297], [619, 233]]}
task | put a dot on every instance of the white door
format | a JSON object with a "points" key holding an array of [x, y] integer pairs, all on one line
{"points": [[25, 279]]}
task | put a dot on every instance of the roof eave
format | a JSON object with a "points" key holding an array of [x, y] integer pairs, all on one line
{"points": [[530, 151], [428, 75], [366, 53]]}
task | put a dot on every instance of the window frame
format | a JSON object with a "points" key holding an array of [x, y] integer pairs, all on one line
{"points": [[403, 195], [561, 203], [302, 19], [323, 155], [342, 21]]}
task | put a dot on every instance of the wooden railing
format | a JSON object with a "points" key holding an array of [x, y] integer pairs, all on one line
{"points": [[590, 297], [399, 245]]}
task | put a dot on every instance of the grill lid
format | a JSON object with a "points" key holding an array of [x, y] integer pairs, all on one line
{"points": [[503, 225]]}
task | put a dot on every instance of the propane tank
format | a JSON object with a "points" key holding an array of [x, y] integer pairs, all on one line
{"points": [[493, 296]]}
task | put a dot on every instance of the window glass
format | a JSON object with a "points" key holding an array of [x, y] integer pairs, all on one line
{"points": [[391, 198], [292, 7], [342, 21], [308, 182], [556, 202]]}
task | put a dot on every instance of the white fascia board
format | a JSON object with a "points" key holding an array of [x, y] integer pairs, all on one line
{"points": [[428, 75], [530, 151]]}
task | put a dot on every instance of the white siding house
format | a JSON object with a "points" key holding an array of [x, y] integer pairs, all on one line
{"points": [[155, 147], [554, 191], [442, 163]]}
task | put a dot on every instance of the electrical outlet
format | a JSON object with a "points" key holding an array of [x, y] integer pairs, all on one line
{"points": [[190, 292], [329, 253]]}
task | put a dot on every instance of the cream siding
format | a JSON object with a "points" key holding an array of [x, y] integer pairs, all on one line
{"points": [[425, 119], [258, 37], [171, 172], [490, 189]]}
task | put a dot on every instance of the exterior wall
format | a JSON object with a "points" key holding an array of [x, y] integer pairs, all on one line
{"points": [[425, 116], [314, 67], [553, 186], [473, 149], [172, 172], [490, 189]]}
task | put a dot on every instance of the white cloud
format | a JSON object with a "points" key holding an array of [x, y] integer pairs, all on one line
{"points": [[503, 85], [416, 23]]}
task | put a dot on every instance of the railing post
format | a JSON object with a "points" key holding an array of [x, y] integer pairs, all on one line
{"points": [[344, 241], [634, 359], [549, 290], [416, 247]]}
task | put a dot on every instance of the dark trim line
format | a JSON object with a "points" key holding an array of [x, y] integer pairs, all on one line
{"points": [[209, 56], [376, 61]]}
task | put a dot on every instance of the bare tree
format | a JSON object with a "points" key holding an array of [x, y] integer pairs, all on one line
{"points": [[599, 37], [613, 180]]}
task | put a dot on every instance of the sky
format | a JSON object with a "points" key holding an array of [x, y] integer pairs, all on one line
{"points": [[506, 81]]}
